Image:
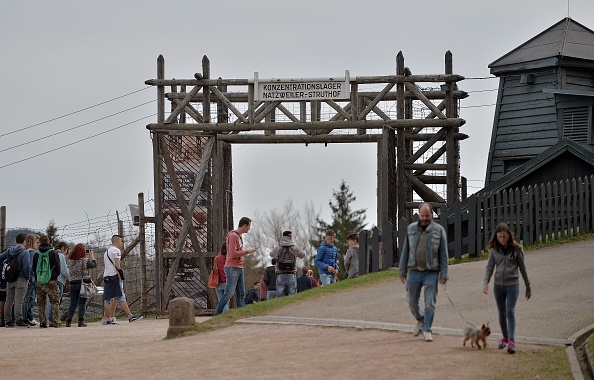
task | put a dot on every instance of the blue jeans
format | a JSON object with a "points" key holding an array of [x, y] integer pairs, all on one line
{"points": [[327, 279], [48, 307], [29, 300], [414, 282], [76, 301], [286, 281], [235, 285], [506, 298], [220, 292], [271, 294]]}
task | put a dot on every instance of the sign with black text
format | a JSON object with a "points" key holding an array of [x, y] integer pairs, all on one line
{"points": [[297, 89]]}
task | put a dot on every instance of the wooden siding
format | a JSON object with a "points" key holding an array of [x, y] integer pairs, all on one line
{"points": [[579, 79], [565, 167], [526, 123]]}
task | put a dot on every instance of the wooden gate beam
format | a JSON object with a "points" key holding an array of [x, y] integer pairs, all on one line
{"points": [[314, 125]]}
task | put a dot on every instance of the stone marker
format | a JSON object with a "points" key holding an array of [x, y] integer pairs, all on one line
{"points": [[181, 316]]}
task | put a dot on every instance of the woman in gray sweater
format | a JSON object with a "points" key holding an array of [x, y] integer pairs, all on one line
{"points": [[506, 256]]}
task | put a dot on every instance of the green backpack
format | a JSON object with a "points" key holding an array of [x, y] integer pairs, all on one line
{"points": [[43, 271]]}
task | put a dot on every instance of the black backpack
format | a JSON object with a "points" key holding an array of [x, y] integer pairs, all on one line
{"points": [[286, 260], [10, 269]]}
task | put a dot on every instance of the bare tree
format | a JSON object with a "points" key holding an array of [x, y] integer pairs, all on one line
{"points": [[267, 229]]}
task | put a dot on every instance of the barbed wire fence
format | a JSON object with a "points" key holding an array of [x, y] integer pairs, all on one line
{"points": [[95, 233]]}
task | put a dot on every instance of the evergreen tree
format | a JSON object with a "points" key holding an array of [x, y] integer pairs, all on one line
{"points": [[344, 221], [52, 231]]}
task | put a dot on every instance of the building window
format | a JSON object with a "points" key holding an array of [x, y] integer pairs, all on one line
{"points": [[577, 124], [511, 164]]}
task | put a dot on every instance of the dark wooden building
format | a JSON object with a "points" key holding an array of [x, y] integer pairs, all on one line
{"points": [[546, 95]]}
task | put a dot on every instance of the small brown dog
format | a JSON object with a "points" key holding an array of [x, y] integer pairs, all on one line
{"points": [[475, 335]]}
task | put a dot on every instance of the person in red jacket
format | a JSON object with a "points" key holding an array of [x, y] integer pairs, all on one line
{"points": [[234, 264]]}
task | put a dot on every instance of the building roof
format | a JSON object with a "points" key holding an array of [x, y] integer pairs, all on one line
{"points": [[565, 39], [543, 159]]}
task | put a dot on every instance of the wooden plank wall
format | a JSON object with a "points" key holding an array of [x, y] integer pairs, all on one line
{"points": [[535, 214], [526, 124]]}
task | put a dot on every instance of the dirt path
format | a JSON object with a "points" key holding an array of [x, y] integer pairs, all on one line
{"points": [[253, 351], [138, 351]]}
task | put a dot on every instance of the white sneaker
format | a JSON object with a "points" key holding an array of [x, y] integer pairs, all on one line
{"points": [[417, 329], [428, 337]]}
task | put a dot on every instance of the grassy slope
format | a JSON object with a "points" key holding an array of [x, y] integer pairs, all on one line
{"points": [[544, 363]]}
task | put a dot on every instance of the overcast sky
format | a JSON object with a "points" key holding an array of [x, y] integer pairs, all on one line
{"points": [[61, 57]]}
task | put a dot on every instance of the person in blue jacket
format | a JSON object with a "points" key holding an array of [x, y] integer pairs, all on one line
{"points": [[15, 291], [327, 259]]}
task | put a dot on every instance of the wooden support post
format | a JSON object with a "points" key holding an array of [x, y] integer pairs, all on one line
{"points": [[182, 113], [206, 91], [452, 153], [400, 143], [157, 184], [3, 228], [142, 240]]}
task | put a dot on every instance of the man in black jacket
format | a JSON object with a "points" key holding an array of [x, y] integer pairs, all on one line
{"points": [[270, 280], [304, 281], [50, 289]]}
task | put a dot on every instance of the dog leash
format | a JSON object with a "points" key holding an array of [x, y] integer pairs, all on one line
{"points": [[455, 308]]}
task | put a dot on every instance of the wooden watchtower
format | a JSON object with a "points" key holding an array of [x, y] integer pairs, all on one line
{"points": [[192, 154]]}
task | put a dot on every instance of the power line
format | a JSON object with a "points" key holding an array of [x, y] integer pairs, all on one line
{"points": [[75, 112], [76, 142], [482, 105], [76, 127], [493, 89]]}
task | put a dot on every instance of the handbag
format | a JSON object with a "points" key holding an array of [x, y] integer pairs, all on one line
{"points": [[213, 277], [87, 289], [119, 269]]}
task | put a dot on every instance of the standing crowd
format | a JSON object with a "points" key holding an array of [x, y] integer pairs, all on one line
{"points": [[280, 278], [35, 272]]}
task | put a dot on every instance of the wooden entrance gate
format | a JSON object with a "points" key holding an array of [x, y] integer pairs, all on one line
{"points": [[416, 130]]}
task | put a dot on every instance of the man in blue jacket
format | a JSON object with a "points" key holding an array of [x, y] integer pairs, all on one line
{"points": [[423, 262], [327, 259], [15, 291]]}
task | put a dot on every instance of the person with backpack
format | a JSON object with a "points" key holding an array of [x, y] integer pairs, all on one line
{"points": [[2, 295], [62, 250], [15, 271], [47, 267], [286, 267], [31, 243]]}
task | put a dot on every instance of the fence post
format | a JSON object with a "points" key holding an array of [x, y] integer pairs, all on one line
{"points": [[402, 226], [2, 228], [472, 230], [375, 250], [141, 238], [388, 245], [363, 253], [457, 229]]}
